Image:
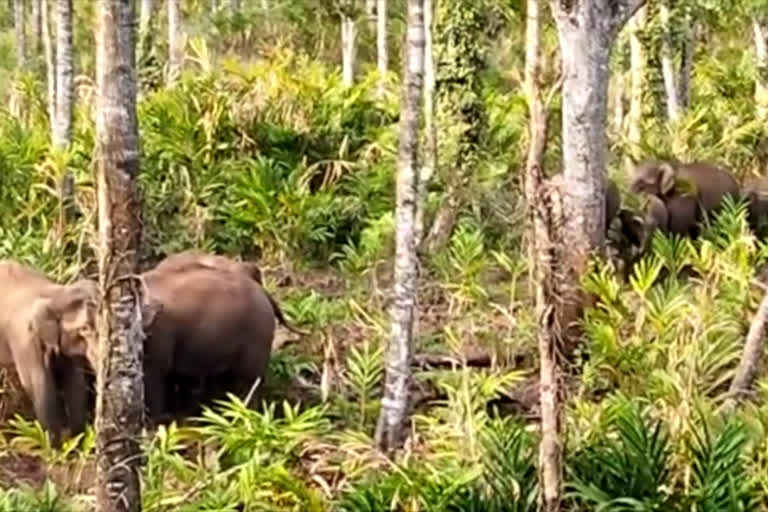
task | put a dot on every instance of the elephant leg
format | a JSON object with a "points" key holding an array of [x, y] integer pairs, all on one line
{"points": [[155, 393], [39, 382], [75, 391]]}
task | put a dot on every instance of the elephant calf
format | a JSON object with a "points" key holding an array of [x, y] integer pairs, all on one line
{"points": [[40, 324]]}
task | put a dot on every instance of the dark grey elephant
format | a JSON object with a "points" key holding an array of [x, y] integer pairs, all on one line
{"points": [[211, 322], [40, 323], [689, 191]]}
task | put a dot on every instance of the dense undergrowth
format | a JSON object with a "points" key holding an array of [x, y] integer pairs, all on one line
{"points": [[274, 159]]}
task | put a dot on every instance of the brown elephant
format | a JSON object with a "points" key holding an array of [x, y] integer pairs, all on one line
{"points": [[39, 322], [707, 183], [193, 258], [211, 322]]}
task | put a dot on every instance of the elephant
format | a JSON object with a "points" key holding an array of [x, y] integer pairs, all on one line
{"points": [[708, 184], [210, 322], [40, 322], [193, 258]]}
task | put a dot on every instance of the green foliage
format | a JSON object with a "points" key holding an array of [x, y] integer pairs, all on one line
{"points": [[25, 499]]}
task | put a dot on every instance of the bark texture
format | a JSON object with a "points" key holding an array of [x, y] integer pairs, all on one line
{"points": [[120, 385], [746, 372], [62, 128], [637, 66], [20, 32], [37, 27], [541, 236], [460, 112], [382, 54], [394, 405], [430, 151], [348, 48], [50, 63], [760, 33], [175, 41], [686, 63], [667, 63]]}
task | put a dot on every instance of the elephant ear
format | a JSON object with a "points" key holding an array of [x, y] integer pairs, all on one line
{"points": [[149, 312], [45, 326], [666, 178]]}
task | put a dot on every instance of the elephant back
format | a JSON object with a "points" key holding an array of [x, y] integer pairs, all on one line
{"points": [[713, 183]]}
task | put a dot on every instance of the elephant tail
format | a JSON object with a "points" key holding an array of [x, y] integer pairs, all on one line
{"points": [[281, 318]]}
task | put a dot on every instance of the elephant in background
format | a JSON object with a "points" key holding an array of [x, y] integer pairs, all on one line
{"points": [[42, 324], [688, 191], [193, 258]]}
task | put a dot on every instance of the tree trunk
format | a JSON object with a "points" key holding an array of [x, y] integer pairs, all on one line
{"points": [[382, 58], [540, 246], [37, 26], [348, 49], [234, 5], [20, 33], [750, 358], [686, 64], [62, 128], [430, 152], [760, 32], [146, 11], [618, 105], [586, 30], [50, 63], [175, 41], [667, 63], [637, 64], [120, 385], [460, 112], [394, 405]]}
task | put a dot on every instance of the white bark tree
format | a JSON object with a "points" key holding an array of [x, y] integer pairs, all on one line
{"points": [[382, 55], [175, 41], [348, 43], [430, 151], [62, 127], [760, 34], [637, 68], [20, 33], [37, 26], [394, 405], [120, 384], [50, 62], [668, 71]]}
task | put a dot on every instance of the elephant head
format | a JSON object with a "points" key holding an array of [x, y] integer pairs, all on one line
{"points": [[707, 183], [64, 322]]}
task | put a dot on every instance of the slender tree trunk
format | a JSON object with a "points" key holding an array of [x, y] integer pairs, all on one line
{"points": [[637, 61], [541, 258], [760, 32], [618, 105], [686, 64], [120, 385], [394, 406], [430, 151], [175, 41], [62, 128], [37, 26], [234, 5], [50, 63], [348, 49], [746, 372], [382, 57], [667, 63], [19, 25], [146, 11], [460, 113]]}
